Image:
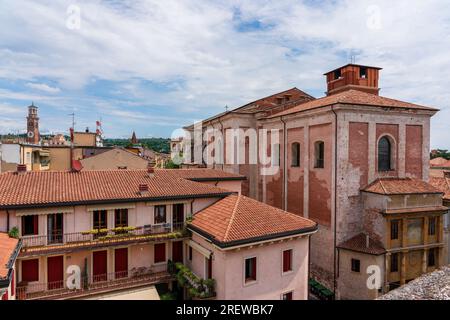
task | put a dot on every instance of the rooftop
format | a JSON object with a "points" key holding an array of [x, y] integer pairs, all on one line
{"points": [[359, 243], [45, 188], [237, 220], [7, 247], [267, 103], [443, 184], [352, 97], [398, 186], [431, 286], [440, 162]]}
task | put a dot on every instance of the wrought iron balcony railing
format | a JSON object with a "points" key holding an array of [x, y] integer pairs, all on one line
{"points": [[96, 284], [104, 235]]}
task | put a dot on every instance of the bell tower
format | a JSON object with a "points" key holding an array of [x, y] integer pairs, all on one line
{"points": [[355, 77], [33, 136]]}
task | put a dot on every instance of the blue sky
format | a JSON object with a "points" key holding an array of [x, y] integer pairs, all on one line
{"points": [[154, 66]]}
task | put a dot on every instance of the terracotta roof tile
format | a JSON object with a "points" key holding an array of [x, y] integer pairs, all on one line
{"points": [[54, 187], [7, 248], [352, 97], [440, 162], [200, 174], [238, 218], [390, 186], [359, 243], [443, 184]]}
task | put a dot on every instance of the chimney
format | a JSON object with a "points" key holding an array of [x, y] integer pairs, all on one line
{"points": [[367, 241], [143, 188], [21, 168], [150, 171], [87, 129], [353, 76]]}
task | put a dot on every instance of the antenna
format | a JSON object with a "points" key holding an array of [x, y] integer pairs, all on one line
{"points": [[73, 119], [226, 108]]}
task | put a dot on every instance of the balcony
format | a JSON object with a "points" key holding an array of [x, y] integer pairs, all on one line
{"points": [[93, 285], [53, 243], [197, 288]]}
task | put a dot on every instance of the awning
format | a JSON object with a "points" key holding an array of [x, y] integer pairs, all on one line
{"points": [[207, 253], [29, 212], [44, 153], [111, 206]]}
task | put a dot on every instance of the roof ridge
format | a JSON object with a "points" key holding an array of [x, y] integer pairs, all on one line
{"points": [[233, 214], [382, 186]]}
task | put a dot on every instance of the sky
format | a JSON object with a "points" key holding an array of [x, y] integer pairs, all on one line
{"points": [[154, 66]]}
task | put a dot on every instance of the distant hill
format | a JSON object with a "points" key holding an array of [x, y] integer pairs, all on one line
{"points": [[156, 144]]}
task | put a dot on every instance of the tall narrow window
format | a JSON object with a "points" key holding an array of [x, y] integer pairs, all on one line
{"points": [[287, 260], [319, 152], [250, 269], [431, 257], [432, 226], [159, 252], [337, 74], [100, 219], [295, 161], [394, 262], [394, 229], [160, 214], [30, 225], [384, 154], [362, 72], [121, 218]]}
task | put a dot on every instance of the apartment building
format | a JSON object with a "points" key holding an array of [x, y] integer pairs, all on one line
{"points": [[328, 151], [120, 229]]}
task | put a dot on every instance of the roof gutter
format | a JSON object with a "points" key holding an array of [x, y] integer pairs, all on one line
{"points": [[4, 283], [255, 240], [149, 199]]}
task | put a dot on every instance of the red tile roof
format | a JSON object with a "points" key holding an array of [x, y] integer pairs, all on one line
{"points": [[443, 184], [267, 104], [354, 97], [7, 247], [238, 220], [53, 187], [440, 162], [358, 243], [392, 186], [200, 174]]}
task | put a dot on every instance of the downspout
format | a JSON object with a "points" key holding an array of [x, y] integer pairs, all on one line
{"points": [[308, 266], [335, 202], [284, 165]]}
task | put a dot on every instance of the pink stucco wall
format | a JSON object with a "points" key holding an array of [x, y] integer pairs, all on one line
{"points": [[228, 270]]}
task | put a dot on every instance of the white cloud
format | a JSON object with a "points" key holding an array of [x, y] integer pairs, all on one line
{"points": [[192, 48], [43, 87]]}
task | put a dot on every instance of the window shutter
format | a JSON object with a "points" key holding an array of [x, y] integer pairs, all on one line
{"points": [[36, 224], [30, 270], [160, 252]]}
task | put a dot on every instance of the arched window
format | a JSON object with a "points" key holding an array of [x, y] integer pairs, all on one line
{"points": [[295, 153], [384, 154], [319, 152]]}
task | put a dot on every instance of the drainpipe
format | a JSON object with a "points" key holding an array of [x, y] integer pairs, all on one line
{"points": [[308, 266], [335, 202], [284, 190]]}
